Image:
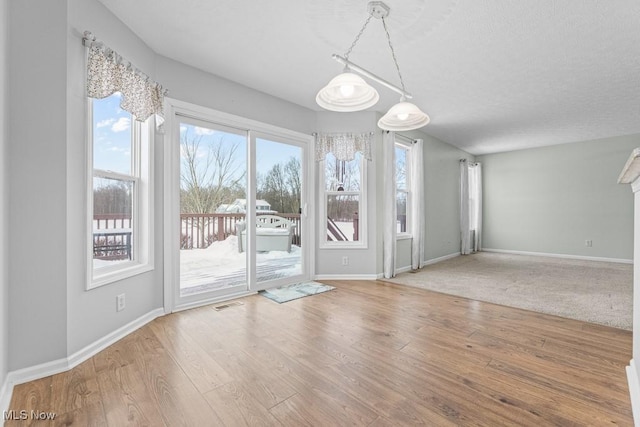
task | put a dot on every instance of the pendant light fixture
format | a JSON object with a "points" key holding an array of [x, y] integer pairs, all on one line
{"points": [[349, 92]]}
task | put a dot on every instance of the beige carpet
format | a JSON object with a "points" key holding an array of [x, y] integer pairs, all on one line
{"points": [[598, 292]]}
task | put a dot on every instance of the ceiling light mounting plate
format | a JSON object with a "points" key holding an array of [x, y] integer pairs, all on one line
{"points": [[378, 9]]}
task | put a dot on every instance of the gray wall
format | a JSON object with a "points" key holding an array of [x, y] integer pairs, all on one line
{"points": [[192, 85], [442, 197], [552, 199], [442, 200], [4, 195], [37, 167]]}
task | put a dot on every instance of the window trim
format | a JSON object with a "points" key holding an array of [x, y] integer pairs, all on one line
{"points": [[407, 146], [142, 172], [362, 213]]}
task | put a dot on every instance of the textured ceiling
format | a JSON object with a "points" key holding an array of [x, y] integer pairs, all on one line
{"points": [[493, 75]]}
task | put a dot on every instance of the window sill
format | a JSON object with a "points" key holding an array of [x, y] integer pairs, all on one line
{"points": [[404, 237], [119, 274]]}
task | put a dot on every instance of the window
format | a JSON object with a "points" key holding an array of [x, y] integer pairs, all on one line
{"points": [[403, 194], [119, 221], [343, 207]]}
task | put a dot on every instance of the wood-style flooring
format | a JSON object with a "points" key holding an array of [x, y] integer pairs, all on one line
{"points": [[367, 353]]}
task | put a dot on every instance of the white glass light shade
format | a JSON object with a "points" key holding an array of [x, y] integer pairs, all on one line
{"points": [[347, 92], [403, 116]]}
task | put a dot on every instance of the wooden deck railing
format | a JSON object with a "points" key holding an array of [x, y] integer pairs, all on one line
{"points": [[197, 231], [200, 230], [111, 221]]}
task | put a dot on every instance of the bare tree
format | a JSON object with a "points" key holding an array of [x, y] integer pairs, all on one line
{"points": [[113, 198], [210, 174], [276, 187], [293, 175], [342, 175]]}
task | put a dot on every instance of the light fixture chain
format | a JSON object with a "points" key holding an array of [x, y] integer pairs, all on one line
{"points": [[346, 55], [393, 53]]}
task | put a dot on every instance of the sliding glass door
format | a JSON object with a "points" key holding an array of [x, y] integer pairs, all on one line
{"points": [[213, 194], [237, 211], [280, 184]]}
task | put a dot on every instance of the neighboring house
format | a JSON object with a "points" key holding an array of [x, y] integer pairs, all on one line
{"points": [[240, 206]]}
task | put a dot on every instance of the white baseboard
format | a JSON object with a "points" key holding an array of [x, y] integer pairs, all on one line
{"points": [[346, 276], [97, 346], [403, 269], [634, 392], [42, 370], [439, 259], [6, 390], [578, 257]]}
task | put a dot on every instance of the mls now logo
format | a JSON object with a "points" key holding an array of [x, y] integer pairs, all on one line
{"points": [[28, 415]]}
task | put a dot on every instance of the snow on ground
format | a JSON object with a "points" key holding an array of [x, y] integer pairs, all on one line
{"points": [[223, 259]]}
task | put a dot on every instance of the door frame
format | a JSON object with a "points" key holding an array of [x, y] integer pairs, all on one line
{"points": [[171, 200]]}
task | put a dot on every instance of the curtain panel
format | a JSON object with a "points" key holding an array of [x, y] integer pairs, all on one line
{"points": [[108, 73], [389, 216], [417, 204], [470, 207]]}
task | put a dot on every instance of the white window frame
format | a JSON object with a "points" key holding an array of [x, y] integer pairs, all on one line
{"points": [[407, 147], [141, 209], [362, 212]]}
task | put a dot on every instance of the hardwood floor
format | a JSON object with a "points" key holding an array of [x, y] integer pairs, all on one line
{"points": [[366, 353]]}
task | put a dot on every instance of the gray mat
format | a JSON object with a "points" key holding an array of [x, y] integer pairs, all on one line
{"points": [[299, 290]]}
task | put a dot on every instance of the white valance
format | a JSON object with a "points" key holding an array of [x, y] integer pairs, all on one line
{"points": [[343, 146], [108, 72]]}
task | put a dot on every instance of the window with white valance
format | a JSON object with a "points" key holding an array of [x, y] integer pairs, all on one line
{"points": [[121, 99], [343, 159]]}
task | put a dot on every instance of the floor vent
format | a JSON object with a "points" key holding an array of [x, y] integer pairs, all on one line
{"points": [[223, 306]]}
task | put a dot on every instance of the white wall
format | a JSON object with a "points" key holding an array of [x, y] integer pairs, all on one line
{"points": [[4, 206], [552, 199]]}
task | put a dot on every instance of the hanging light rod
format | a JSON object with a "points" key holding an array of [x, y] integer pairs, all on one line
{"points": [[348, 92], [370, 75]]}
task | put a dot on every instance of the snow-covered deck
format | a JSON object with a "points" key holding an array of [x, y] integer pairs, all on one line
{"points": [[221, 266]]}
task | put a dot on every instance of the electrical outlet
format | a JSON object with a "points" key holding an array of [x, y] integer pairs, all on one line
{"points": [[345, 260], [588, 243], [120, 302]]}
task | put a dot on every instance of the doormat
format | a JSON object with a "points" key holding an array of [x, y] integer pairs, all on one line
{"points": [[299, 290]]}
